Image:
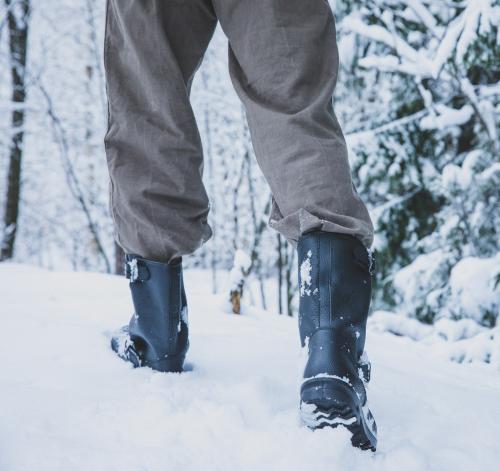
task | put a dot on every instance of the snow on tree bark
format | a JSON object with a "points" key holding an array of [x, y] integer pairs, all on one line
{"points": [[18, 15]]}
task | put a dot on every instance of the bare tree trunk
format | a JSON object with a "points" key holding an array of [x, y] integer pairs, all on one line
{"points": [[18, 21], [74, 184], [258, 235], [280, 275], [258, 229], [119, 260], [289, 263], [96, 50], [213, 208], [285, 260], [236, 191]]}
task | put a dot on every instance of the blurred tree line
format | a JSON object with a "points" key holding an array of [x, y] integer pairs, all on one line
{"points": [[418, 97]]}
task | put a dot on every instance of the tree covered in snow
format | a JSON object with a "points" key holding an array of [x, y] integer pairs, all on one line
{"points": [[425, 152]]}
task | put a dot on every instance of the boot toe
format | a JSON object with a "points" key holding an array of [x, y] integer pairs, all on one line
{"points": [[123, 346]]}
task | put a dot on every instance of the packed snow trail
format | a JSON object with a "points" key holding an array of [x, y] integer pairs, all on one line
{"points": [[67, 402]]}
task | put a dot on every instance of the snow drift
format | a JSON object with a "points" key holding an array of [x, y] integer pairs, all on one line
{"points": [[69, 404]]}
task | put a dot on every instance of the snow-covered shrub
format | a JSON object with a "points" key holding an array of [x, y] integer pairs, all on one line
{"points": [[426, 156], [461, 341], [452, 331], [474, 291], [420, 286], [385, 321], [428, 289], [484, 347]]}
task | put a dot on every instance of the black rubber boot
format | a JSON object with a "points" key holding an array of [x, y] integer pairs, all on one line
{"points": [[157, 335], [335, 291]]}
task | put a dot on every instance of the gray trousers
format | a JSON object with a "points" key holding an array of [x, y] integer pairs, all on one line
{"points": [[283, 62]]}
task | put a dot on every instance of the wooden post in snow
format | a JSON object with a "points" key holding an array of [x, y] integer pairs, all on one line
{"points": [[237, 278]]}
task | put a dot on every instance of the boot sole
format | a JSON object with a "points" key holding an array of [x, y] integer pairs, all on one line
{"points": [[330, 402]]}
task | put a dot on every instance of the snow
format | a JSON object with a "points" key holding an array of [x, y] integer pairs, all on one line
{"points": [[424, 14], [447, 117], [469, 302], [390, 63], [378, 33], [134, 269], [424, 272], [448, 44], [453, 175], [457, 330], [305, 275], [412, 61], [69, 404], [461, 341], [242, 263], [458, 36], [472, 283], [385, 321]]}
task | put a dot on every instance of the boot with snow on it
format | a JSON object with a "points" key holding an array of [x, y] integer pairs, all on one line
{"points": [[335, 291], [157, 335]]}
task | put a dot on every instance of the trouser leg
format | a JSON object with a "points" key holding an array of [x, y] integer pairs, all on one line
{"points": [[152, 50], [283, 63]]}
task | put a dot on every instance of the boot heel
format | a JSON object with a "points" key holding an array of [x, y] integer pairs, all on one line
{"points": [[157, 335], [330, 402]]}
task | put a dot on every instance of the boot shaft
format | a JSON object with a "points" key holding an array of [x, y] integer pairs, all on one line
{"points": [[159, 326], [335, 287]]}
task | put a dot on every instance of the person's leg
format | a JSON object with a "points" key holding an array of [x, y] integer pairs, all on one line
{"points": [[152, 50], [283, 62], [159, 204]]}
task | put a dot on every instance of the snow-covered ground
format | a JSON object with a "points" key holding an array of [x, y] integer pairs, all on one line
{"points": [[67, 403]]}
